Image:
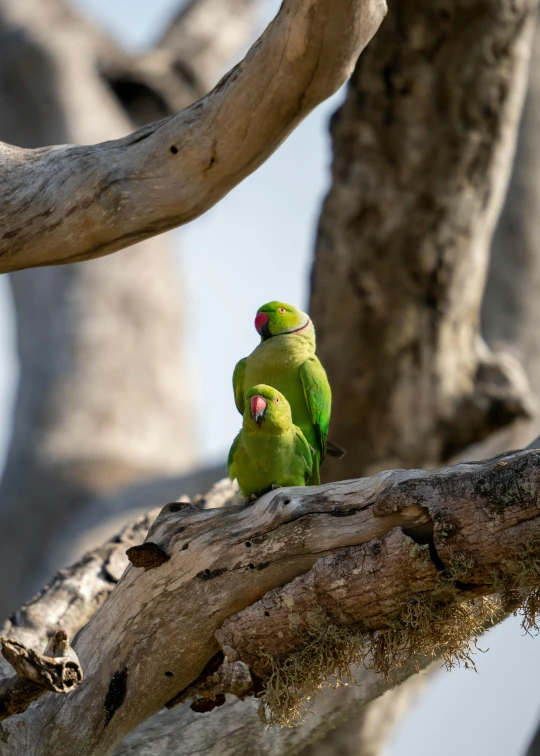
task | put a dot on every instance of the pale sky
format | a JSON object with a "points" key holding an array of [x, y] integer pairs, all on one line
{"points": [[268, 224]]}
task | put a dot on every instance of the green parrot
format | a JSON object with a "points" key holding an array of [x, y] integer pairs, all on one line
{"points": [[269, 452], [285, 359]]}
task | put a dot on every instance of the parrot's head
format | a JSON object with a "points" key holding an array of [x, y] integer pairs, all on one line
{"points": [[266, 409], [277, 318]]}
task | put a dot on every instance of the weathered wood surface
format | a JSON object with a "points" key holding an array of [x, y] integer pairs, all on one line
{"points": [[67, 204], [146, 644]]}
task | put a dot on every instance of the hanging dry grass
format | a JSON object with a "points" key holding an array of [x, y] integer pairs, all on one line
{"points": [[425, 628], [444, 623]]}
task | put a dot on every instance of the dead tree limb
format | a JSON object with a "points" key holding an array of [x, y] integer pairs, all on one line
{"points": [[67, 204], [146, 644], [75, 594]]}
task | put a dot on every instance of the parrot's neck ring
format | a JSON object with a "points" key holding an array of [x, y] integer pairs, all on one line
{"points": [[302, 329]]}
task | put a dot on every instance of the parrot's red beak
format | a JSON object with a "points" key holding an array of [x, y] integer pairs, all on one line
{"points": [[260, 321], [258, 408]]}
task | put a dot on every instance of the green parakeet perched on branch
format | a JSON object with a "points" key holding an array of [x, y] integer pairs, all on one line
{"points": [[285, 359], [270, 451]]}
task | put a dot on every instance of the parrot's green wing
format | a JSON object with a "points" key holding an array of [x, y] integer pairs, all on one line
{"points": [[232, 452], [238, 385], [305, 451], [318, 398]]}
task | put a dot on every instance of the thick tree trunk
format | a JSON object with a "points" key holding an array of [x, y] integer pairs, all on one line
{"points": [[423, 146]]}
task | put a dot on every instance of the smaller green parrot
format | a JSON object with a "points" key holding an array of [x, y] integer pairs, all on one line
{"points": [[270, 451]]}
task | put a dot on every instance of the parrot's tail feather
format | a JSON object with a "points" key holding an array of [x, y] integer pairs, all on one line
{"points": [[333, 450], [315, 473]]}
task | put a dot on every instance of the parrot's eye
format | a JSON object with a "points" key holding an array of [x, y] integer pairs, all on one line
{"points": [[276, 400], [282, 310]]}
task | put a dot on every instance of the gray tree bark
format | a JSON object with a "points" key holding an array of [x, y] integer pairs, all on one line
{"points": [[76, 594], [422, 151], [106, 196], [102, 397]]}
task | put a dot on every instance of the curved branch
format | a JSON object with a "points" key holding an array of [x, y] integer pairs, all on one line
{"points": [[66, 204], [146, 645]]}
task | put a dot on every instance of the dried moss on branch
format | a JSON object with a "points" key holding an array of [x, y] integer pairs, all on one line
{"points": [[412, 608]]}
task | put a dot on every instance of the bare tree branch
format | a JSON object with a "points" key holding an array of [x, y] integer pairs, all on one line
{"points": [[66, 204], [235, 727], [147, 644], [77, 593]]}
